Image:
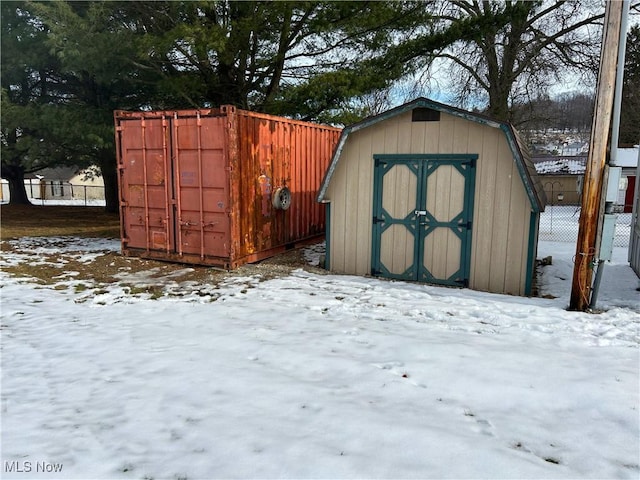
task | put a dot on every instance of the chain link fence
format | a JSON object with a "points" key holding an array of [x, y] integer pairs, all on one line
{"points": [[559, 223], [41, 192]]}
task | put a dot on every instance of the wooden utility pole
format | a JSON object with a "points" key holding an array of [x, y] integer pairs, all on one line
{"points": [[596, 160]]}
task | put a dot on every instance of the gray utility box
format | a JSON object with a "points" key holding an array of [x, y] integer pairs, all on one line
{"points": [[608, 234]]}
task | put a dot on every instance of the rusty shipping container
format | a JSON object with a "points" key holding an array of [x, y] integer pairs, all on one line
{"points": [[219, 187]]}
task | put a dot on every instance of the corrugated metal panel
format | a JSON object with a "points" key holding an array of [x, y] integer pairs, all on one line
{"points": [[198, 186], [280, 154]]}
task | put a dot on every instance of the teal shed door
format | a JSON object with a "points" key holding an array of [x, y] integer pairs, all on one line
{"points": [[422, 217]]}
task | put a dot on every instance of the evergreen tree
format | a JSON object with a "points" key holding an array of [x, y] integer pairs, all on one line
{"points": [[29, 80], [66, 66], [630, 112], [97, 55]]}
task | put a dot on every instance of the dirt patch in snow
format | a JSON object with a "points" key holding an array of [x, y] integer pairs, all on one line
{"points": [[77, 247], [64, 263]]}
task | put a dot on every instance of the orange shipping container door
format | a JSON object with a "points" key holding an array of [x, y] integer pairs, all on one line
{"points": [[144, 181], [201, 182]]}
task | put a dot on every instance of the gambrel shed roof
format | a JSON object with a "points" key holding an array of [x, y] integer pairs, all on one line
{"points": [[520, 152]]}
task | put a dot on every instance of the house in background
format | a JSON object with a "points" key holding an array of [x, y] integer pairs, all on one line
{"points": [[431, 193], [561, 178], [61, 183], [573, 148]]}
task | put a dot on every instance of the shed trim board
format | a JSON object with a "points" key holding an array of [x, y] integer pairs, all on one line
{"points": [[327, 248], [532, 252], [382, 219]]}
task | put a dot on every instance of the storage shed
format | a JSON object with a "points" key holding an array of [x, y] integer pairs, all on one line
{"points": [[220, 186], [431, 193]]}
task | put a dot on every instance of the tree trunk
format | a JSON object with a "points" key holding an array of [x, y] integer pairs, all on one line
{"points": [[17, 191], [499, 103], [107, 164]]}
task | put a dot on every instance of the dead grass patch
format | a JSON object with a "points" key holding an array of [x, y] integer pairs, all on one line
{"points": [[48, 221]]}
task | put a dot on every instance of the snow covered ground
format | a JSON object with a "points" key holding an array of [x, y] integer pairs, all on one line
{"points": [[316, 376]]}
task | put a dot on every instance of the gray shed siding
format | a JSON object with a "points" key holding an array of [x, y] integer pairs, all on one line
{"points": [[502, 213]]}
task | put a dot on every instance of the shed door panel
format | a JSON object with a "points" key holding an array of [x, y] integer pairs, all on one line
{"points": [[447, 222], [397, 235], [423, 207]]}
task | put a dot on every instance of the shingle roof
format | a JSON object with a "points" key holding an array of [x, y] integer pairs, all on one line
{"points": [[64, 173], [560, 165]]}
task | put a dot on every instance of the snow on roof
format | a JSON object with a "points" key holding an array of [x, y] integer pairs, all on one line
{"points": [[575, 165], [560, 165]]}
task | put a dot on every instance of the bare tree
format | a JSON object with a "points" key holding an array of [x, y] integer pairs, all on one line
{"points": [[544, 44]]}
